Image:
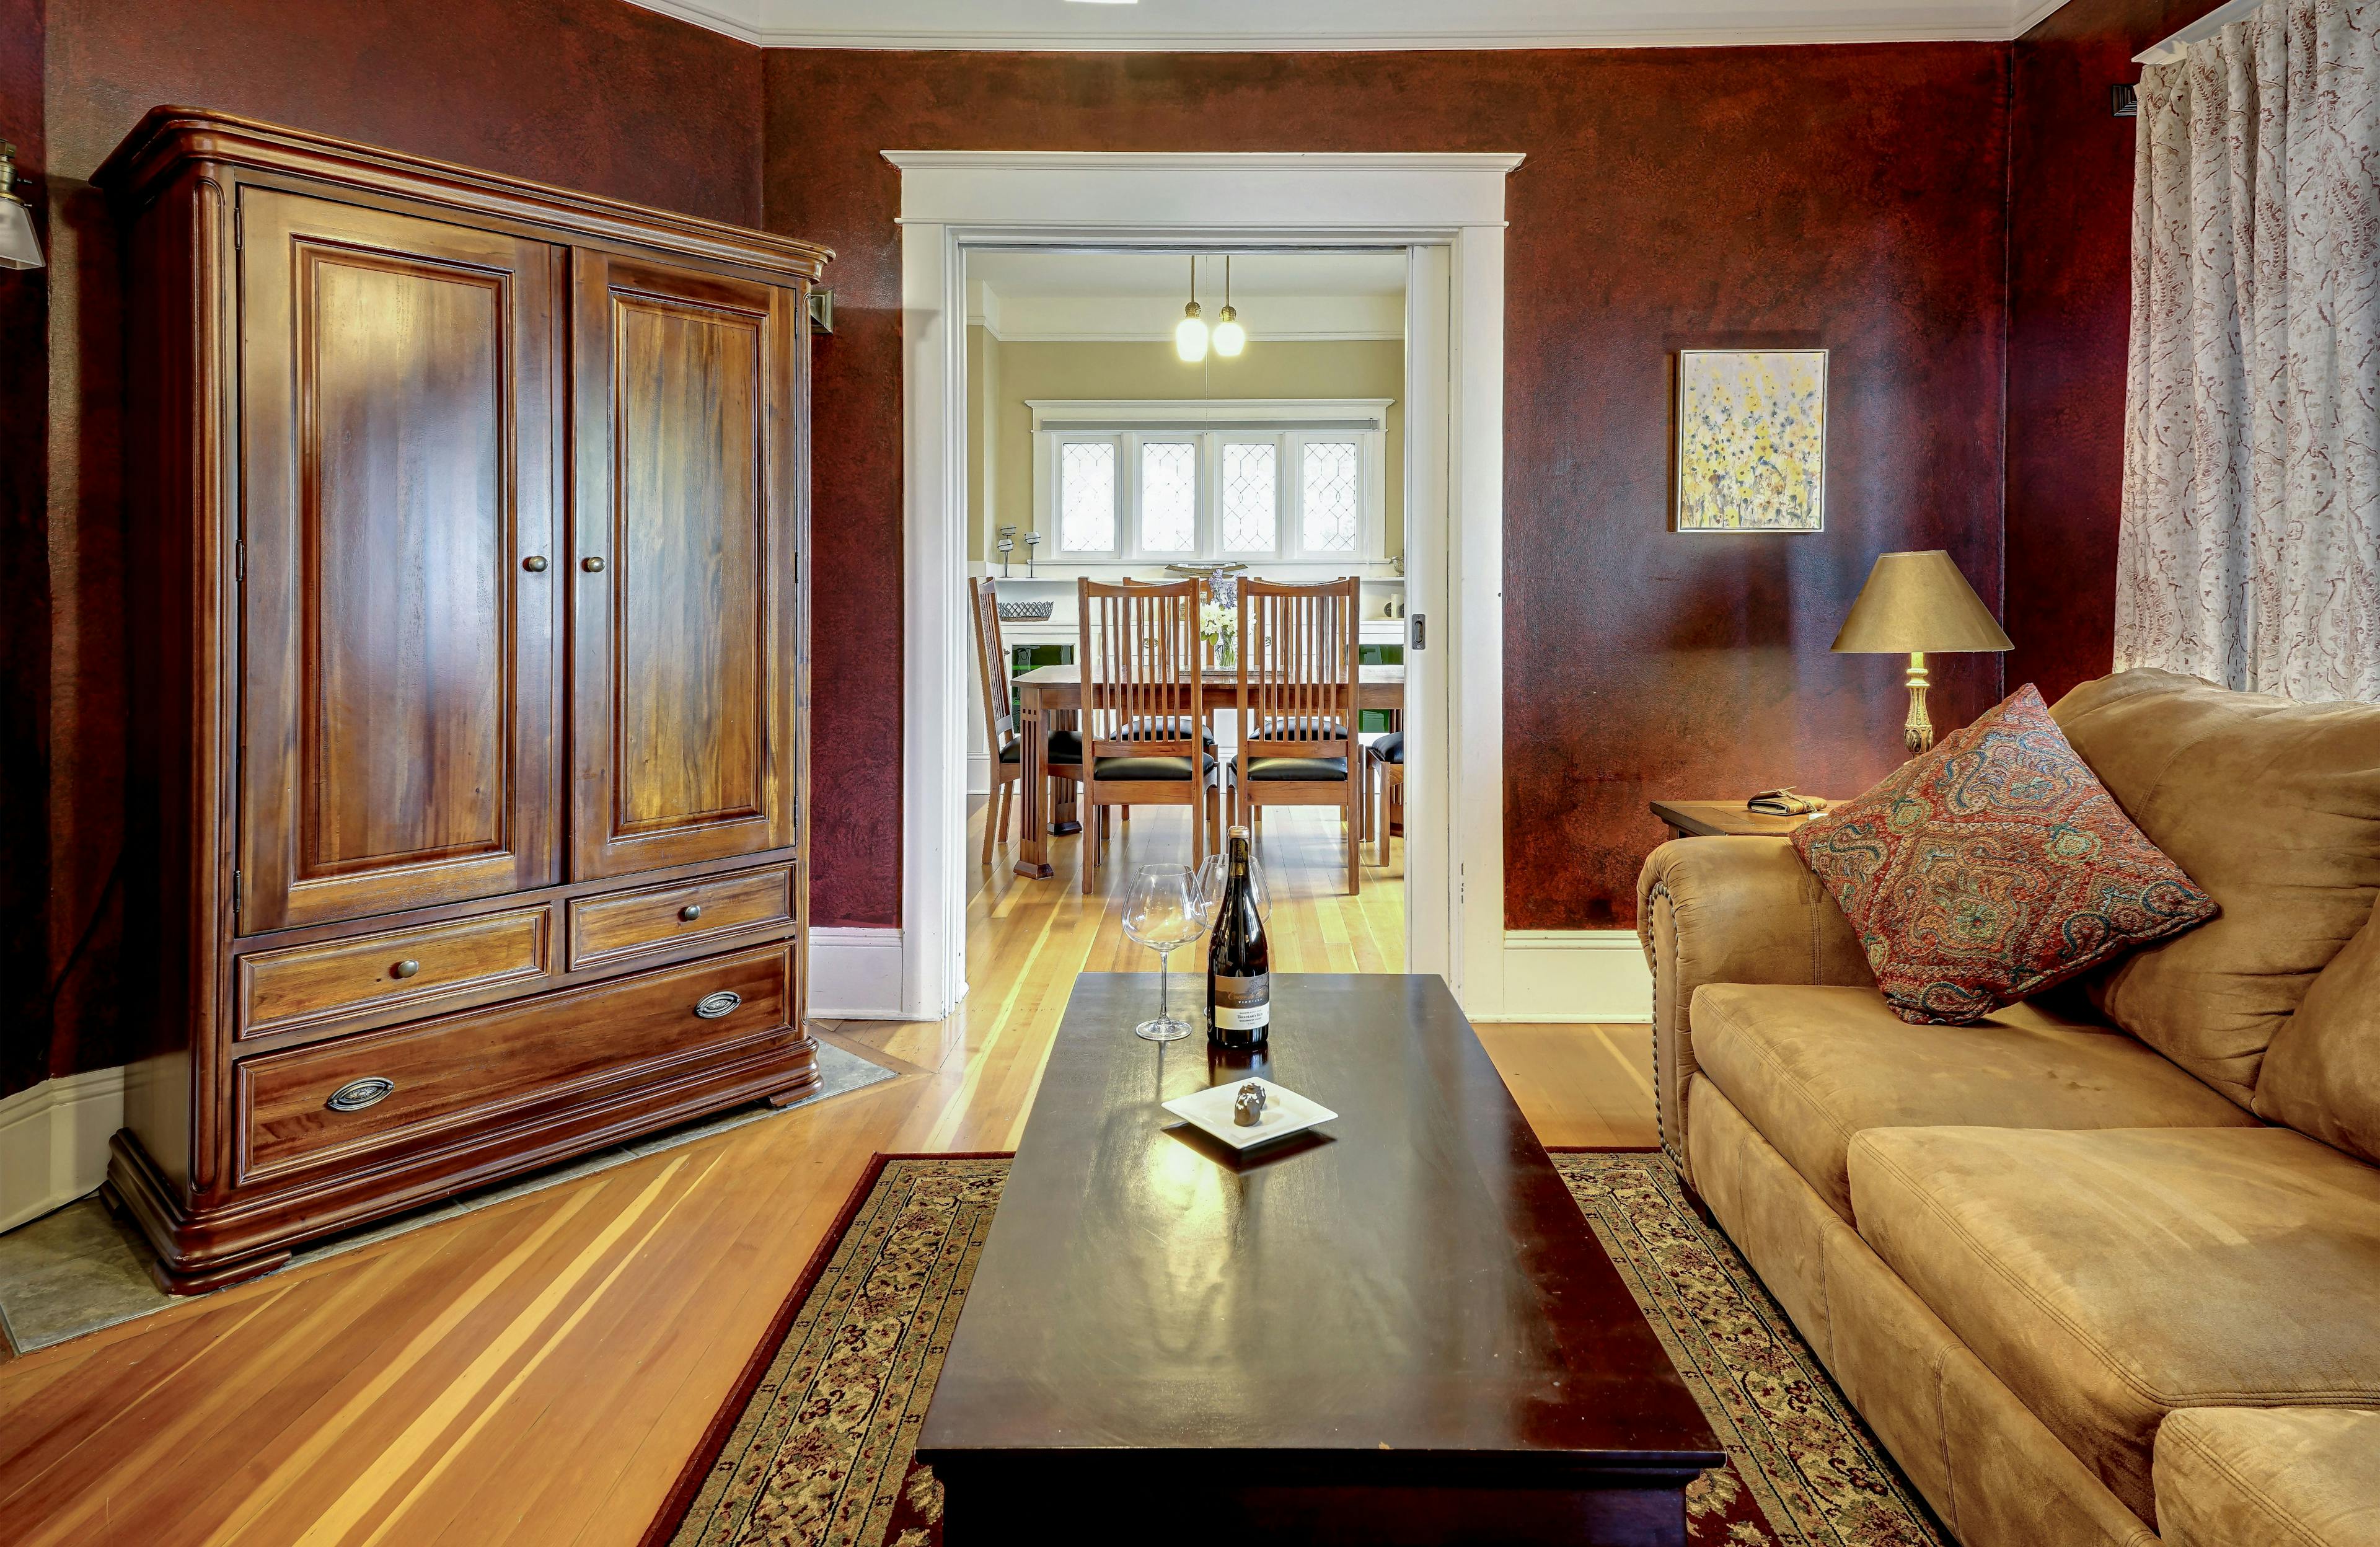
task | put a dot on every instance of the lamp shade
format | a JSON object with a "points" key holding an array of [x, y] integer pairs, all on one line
{"points": [[20, 248], [1918, 601]]}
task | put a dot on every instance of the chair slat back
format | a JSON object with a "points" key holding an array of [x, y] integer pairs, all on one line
{"points": [[1298, 653], [1138, 651], [1205, 594], [991, 657]]}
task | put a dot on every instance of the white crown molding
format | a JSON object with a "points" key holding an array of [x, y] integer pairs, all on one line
{"points": [[1900, 28], [1150, 319], [2039, 12], [2167, 50], [1135, 163]]}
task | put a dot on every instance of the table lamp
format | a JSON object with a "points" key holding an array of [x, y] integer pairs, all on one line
{"points": [[1916, 603]]}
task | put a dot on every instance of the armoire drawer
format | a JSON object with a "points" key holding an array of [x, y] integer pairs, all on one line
{"points": [[425, 1082], [302, 985], [623, 924]]}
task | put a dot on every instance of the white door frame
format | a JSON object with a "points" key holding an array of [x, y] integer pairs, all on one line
{"points": [[1450, 204]]}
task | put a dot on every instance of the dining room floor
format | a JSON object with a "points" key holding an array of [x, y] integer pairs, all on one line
{"points": [[539, 1371]]}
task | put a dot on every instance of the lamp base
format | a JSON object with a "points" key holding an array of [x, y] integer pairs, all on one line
{"points": [[1917, 733]]}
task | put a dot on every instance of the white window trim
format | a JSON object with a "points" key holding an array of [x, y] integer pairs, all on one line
{"points": [[1061, 421]]}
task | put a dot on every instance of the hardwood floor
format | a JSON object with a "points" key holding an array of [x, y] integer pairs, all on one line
{"points": [[537, 1371]]}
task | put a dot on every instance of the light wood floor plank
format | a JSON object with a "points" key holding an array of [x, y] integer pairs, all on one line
{"points": [[537, 1371]]}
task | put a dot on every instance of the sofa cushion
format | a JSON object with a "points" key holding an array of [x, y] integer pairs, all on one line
{"points": [[1812, 1066], [2322, 1074], [1992, 868], [2274, 808], [2304, 1477], [2111, 1278]]}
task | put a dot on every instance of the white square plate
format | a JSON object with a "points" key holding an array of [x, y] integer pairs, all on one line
{"points": [[1285, 1112]]}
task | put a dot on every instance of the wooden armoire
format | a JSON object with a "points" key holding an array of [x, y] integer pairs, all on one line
{"points": [[469, 535]]}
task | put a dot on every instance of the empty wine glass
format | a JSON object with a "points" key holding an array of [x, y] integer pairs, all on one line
{"points": [[1215, 875], [1162, 911]]}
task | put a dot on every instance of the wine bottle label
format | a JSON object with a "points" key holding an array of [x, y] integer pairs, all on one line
{"points": [[1243, 1004]]}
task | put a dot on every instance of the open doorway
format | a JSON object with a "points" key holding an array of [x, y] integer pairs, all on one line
{"points": [[1444, 216], [1152, 415]]}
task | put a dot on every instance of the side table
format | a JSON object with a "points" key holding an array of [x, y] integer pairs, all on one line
{"points": [[1722, 819]]}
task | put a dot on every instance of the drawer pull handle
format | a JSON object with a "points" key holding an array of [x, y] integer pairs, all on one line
{"points": [[710, 1006], [358, 1094], [404, 968], [534, 563], [593, 565], [690, 912]]}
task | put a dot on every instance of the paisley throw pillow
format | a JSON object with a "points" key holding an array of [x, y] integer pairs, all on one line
{"points": [[1992, 868]]}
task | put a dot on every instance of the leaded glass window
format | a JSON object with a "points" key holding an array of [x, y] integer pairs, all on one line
{"points": [[1251, 490], [1169, 496], [1086, 505], [1329, 523]]}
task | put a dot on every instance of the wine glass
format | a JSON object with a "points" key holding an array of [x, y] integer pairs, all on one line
{"points": [[1162, 912], [1214, 876]]}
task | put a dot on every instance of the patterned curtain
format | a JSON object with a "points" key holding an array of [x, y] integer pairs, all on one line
{"points": [[2249, 549]]}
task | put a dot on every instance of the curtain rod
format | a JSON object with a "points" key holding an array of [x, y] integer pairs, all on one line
{"points": [[2166, 51]]}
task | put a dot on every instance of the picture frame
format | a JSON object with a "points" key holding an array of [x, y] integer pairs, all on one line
{"points": [[1749, 452]]}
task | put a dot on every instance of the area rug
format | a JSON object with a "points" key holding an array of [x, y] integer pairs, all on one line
{"points": [[79, 1267], [817, 1449]]}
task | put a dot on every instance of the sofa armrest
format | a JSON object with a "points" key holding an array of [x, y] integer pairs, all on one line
{"points": [[1729, 910]]}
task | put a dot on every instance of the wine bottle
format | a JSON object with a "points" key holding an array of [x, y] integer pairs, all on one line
{"points": [[1239, 962]]}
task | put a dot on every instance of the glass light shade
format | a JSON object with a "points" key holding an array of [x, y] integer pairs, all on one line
{"points": [[1230, 337], [20, 247], [1190, 339]]}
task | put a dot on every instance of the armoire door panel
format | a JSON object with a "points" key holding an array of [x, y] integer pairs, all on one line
{"points": [[399, 429], [684, 617]]}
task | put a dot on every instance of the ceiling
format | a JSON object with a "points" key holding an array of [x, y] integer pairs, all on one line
{"points": [[1348, 24]]}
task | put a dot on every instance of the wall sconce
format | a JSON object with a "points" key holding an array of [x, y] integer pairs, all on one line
{"points": [[21, 246], [822, 310]]}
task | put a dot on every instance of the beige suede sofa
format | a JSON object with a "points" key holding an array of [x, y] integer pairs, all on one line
{"points": [[2106, 1267]]}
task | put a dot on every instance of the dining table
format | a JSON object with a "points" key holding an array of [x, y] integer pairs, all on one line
{"points": [[1051, 697]]}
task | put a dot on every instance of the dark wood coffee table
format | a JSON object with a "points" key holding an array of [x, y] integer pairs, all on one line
{"points": [[1397, 1331]]}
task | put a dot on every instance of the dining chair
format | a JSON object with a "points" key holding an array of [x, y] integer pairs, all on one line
{"points": [[1298, 747], [1063, 755], [1138, 653], [1384, 764]]}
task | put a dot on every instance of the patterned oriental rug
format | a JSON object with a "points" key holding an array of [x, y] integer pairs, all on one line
{"points": [[818, 1452]]}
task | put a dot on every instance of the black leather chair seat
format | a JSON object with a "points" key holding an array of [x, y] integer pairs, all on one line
{"points": [[1065, 746], [1165, 729], [1294, 770], [1122, 770], [1390, 748], [1299, 727]]}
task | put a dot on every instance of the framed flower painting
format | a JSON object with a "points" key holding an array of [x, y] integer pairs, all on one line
{"points": [[1752, 440]]}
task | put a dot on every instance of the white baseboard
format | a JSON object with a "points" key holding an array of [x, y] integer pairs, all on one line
{"points": [[54, 1142], [855, 974], [1575, 975], [979, 774]]}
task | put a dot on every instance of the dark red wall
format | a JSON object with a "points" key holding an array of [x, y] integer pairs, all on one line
{"points": [[593, 94], [1844, 197], [1857, 198], [2070, 314], [24, 583]]}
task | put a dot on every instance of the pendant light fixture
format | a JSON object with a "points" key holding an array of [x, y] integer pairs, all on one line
{"points": [[21, 246], [1190, 333], [1230, 337]]}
